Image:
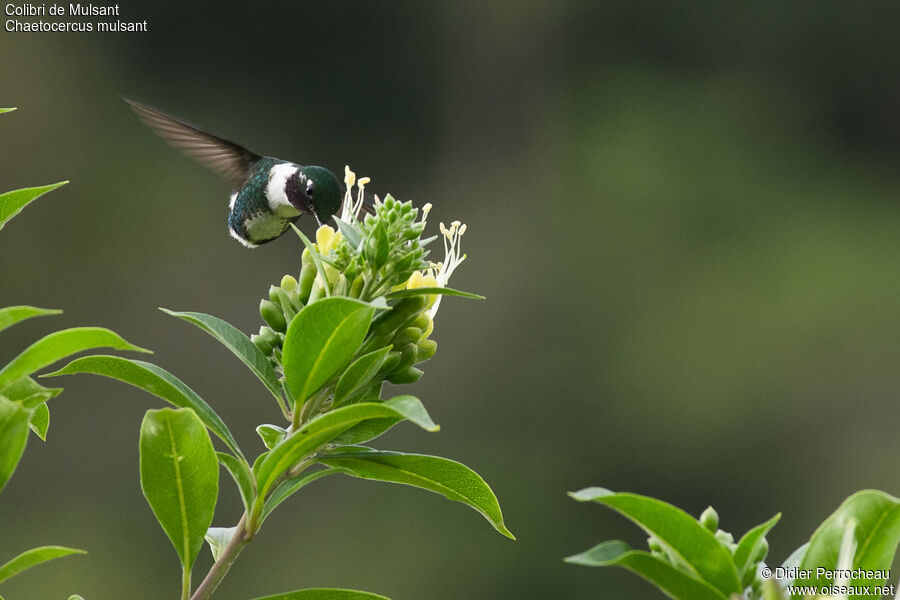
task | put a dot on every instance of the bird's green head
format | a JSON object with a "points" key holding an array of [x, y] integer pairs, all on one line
{"points": [[323, 190]]}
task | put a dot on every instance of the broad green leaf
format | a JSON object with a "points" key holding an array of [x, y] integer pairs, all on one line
{"points": [[6, 110], [12, 203], [320, 341], [312, 437], [674, 582], [14, 421], [433, 291], [359, 373], [240, 345], [877, 535], [29, 392], [240, 472], [408, 408], [691, 545], [155, 380], [749, 547], [61, 344], [286, 489], [33, 557], [179, 477], [271, 434], [325, 594], [449, 478], [40, 421], [218, 538], [13, 314]]}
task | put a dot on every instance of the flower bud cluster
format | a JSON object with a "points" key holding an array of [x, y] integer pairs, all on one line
{"points": [[282, 305], [710, 520], [382, 260], [386, 248], [405, 328]]}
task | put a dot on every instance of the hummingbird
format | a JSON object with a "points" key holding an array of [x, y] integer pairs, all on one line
{"points": [[268, 194]]}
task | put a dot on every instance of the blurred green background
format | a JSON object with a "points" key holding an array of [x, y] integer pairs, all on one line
{"points": [[685, 218]]}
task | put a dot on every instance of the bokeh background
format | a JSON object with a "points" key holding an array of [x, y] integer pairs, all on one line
{"points": [[685, 218]]}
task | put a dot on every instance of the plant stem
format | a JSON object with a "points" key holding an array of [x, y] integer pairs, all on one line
{"points": [[185, 582], [220, 568]]}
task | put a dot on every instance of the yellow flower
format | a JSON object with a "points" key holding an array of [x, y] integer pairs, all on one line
{"points": [[327, 239]]}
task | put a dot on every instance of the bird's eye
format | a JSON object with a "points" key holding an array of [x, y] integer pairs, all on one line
{"points": [[309, 189]]}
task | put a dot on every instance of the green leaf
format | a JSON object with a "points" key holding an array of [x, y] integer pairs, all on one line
{"points": [[350, 232], [320, 341], [313, 436], [40, 421], [286, 489], [58, 345], [409, 407], [29, 392], [359, 373], [155, 380], [240, 472], [14, 420], [12, 203], [33, 557], [271, 434], [240, 345], [13, 314], [325, 594], [877, 535], [674, 582], [692, 547], [432, 291], [749, 547], [218, 538], [179, 477], [449, 478], [6, 110]]}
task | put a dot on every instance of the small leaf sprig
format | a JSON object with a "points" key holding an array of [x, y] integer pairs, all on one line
{"points": [[692, 559]]}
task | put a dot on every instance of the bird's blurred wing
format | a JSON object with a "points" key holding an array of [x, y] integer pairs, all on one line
{"points": [[231, 161]]}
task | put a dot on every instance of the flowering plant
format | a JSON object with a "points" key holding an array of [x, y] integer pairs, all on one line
{"points": [[359, 313]]}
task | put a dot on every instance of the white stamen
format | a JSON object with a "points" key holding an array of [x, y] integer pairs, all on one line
{"points": [[452, 258]]}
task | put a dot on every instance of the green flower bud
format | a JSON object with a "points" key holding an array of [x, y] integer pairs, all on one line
{"points": [[410, 335], [281, 299], [272, 314], [655, 546], [422, 321], [307, 277], [408, 375], [408, 354], [288, 283], [427, 348], [357, 286], [266, 340], [710, 519], [264, 345], [403, 311], [726, 539]]}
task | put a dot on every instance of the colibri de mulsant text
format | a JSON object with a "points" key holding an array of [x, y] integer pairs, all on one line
{"points": [[43, 18]]}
